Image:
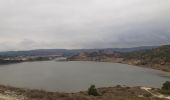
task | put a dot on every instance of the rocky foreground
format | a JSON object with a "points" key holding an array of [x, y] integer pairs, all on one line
{"points": [[108, 93]]}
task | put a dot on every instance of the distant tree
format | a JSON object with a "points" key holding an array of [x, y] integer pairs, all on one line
{"points": [[93, 91]]}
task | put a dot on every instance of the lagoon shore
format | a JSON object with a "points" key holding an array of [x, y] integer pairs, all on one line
{"points": [[106, 93]]}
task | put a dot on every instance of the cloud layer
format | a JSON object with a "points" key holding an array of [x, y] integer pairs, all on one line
{"points": [[33, 24]]}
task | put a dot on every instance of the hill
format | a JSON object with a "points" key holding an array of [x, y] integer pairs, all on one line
{"points": [[159, 55], [69, 52], [156, 58]]}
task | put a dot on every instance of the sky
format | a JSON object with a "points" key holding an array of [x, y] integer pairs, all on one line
{"points": [[75, 24]]}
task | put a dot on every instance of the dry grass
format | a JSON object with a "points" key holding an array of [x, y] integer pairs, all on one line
{"points": [[108, 93]]}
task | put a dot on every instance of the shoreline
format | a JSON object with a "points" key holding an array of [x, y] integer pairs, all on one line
{"points": [[163, 68], [148, 67], [158, 67], [106, 93]]}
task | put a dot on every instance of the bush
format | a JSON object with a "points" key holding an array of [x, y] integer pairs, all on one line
{"points": [[93, 91], [166, 88], [147, 95]]}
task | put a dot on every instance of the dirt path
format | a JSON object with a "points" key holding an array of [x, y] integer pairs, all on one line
{"points": [[155, 95]]}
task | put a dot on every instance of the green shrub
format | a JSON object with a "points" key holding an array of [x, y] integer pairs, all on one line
{"points": [[93, 91], [166, 88]]}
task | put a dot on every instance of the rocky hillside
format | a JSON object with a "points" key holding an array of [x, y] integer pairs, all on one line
{"points": [[94, 56], [156, 58], [159, 55], [69, 52]]}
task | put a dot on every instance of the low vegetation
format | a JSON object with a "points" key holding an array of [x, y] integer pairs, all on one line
{"points": [[159, 55], [165, 88], [39, 59], [107, 93], [93, 91]]}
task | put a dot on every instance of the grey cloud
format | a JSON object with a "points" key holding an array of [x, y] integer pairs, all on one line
{"points": [[32, 24]]}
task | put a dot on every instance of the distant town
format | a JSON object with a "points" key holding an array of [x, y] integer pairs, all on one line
{"points": [[18, 59]]}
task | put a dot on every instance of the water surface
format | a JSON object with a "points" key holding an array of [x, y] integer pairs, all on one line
{"points": [[78, 75]]}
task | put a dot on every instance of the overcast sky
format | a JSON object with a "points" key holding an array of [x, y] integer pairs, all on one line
{"points": [[72, 24]]}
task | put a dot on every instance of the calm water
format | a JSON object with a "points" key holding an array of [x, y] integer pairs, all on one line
{"points": [[75, 76]]}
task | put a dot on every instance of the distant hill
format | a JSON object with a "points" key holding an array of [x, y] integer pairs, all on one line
{"points": [[67, 52], [156, 58], [160, 55], [38, 52]]}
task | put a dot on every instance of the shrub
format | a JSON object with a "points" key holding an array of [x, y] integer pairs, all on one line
{"points": [[147, 95], [93, 91], [166, 86]]}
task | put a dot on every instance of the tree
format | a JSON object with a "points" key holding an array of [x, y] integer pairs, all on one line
{"points": [[166, 86], [93, 91]]}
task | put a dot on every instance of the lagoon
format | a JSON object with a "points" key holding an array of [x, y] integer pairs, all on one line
{"points": [[73, 76]]}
